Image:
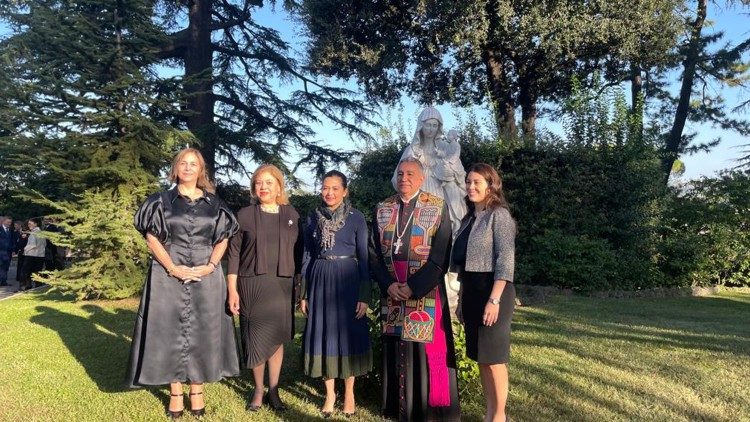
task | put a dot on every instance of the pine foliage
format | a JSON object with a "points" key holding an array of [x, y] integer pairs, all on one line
{"points": [[109, 255], [86, 131]]}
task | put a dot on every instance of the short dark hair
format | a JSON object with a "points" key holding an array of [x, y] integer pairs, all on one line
{"points": [[340, 175]]}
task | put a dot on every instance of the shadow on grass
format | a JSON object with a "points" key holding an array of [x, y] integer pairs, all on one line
{"points": [[100, 342], [714, 324], [305, 389]]}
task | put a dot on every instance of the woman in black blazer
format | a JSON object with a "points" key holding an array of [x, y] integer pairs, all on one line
{"points": [[264, 257]]}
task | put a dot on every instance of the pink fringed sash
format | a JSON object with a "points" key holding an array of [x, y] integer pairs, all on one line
{"points": [[437, 363]]}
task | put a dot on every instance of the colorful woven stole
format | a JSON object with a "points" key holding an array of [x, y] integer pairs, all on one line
{"points": [[412, 320]]}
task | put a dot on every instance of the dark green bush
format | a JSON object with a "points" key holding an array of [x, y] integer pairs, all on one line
{"points": [[707, 232]]}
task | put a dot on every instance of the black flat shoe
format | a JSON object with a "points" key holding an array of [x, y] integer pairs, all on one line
{"points": [[274, 401], [198, 412], [326, 414], [175, 414], [349, 415]]}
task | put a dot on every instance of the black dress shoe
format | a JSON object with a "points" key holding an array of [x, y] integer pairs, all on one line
{"points": [[274, 401]]}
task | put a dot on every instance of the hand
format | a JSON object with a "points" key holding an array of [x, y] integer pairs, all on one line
{"points": [[204, 270], [185, 274], [396, 291], [490, 314], [405, 291], [233, 301], [361, 309], [303, 306]]}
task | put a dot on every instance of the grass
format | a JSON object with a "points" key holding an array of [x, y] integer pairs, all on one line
{"points": [[578, 359]]}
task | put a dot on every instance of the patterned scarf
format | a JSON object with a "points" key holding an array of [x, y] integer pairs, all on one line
{"points": [[329, 222]]}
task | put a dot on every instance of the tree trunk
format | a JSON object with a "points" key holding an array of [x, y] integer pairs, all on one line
{"points": [[504, 107], [636, 100], [198, 59], [674, 140], [498, 85], [529, 113]]}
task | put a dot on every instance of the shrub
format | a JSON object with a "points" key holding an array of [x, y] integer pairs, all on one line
{"points": [[707, 232], [109, 254]]}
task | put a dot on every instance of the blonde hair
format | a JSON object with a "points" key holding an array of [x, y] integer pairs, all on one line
{"points": [[203, 182], [283, 198]]}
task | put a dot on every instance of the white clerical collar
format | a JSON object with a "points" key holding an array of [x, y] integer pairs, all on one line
{"points": [[410, 199]]}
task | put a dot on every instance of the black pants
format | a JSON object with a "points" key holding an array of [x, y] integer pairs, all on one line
{"points": [[19, 267], [4, 266], [31, 266]]}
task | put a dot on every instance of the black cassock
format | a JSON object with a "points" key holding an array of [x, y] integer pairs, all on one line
{"points": [[405, 372]]}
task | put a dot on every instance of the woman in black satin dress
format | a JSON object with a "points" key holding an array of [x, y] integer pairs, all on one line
{"points": [[183, 333]]}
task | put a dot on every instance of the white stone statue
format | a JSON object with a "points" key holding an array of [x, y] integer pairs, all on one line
{"points": [[440, 156]]}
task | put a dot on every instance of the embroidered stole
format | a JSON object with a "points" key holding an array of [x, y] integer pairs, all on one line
{"points": [[412, 320]]}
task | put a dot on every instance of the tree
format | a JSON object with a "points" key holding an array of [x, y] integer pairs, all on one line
{"points": [[228, 95], [231, 64], [81, 115], [701, 68], [509, 54], [86, 132]]}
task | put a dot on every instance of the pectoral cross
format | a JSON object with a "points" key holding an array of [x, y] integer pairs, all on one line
{"points": [[398, 244]]}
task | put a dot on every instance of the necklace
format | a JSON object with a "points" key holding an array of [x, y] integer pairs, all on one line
{"points": [[398, 244], [270, 208], [192, 195]]}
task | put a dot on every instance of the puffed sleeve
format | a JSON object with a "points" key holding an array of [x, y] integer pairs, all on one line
{"points": [[504, 244], [226, 223], [150, 218]]}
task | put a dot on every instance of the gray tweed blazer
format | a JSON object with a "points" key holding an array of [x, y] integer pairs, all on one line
{"points": [[493, 231]]}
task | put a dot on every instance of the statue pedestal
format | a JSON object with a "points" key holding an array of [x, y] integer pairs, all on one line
{"points": [[451, 289]]}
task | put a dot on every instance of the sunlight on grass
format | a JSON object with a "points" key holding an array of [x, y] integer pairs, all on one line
{"points": [[576, 359]]}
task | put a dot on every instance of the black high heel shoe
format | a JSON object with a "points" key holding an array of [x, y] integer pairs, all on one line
{"points": [[175, 414], [274, 401], [198, 412]]}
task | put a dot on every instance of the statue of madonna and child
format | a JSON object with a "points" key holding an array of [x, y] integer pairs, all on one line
{"points": [[444, 175]]}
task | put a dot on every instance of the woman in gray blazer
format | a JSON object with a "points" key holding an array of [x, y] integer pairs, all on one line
{"points": [[484, 256]]}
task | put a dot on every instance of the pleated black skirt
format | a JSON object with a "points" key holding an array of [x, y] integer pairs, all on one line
{"points": [[266, 314]]}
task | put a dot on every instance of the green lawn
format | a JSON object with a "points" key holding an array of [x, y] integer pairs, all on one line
{"points": [[573, 359]]}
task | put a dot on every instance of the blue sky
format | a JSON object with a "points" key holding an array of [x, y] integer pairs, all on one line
{"points": [[733, 21], [730, 20]]}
